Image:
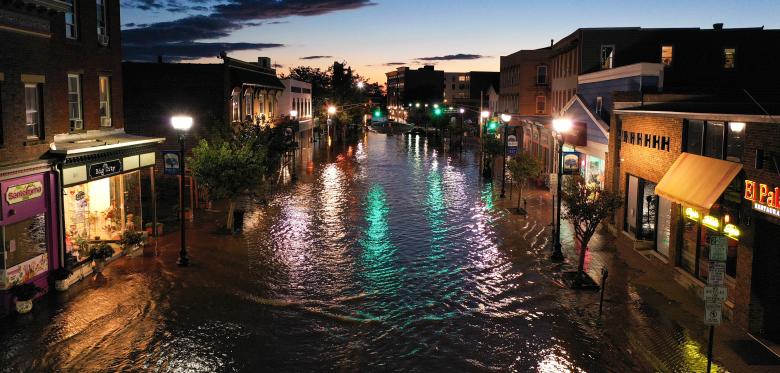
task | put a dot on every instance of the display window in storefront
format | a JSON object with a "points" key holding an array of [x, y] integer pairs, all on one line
{"points": [[100, 210], [24, 251]]}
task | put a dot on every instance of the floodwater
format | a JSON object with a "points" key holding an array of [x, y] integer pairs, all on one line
{"points": [[386, 254]]}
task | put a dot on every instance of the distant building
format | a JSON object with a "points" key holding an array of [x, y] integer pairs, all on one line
{"points": [[406, 86], [493, 99], [296, 99], [218, 95]]}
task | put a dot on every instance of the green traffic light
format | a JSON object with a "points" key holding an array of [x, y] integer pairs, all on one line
{"points": [[492, 125], [377, 113], [437, 111]]}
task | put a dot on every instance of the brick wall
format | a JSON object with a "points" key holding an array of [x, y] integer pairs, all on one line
{"points": [[53, 58]]}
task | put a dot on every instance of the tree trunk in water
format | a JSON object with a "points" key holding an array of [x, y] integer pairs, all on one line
{"points": [[583, 249], [231, 208], [519, 194]]}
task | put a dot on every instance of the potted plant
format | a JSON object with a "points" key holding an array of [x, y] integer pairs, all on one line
{"points": [[24, 294], [131, 240], [100, 254], [61, 276]]}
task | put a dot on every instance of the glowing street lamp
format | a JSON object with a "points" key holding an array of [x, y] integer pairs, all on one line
{"points": [[331, 110], [293, 114], [182, 124], [360, 85], [561, 127]]}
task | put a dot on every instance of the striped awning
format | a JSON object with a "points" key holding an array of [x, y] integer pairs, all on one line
{"points": [[696, 181]]}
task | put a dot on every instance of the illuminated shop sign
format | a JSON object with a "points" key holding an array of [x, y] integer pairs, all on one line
{"points": [[709, 221], [764, 199], [104, 169], [23, 192]]}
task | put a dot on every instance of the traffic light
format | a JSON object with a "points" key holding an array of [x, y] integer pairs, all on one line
{"points": [[437, 111], [492, 125], [377, 113]]}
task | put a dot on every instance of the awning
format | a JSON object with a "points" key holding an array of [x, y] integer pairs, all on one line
{"points": [[697, 181]]}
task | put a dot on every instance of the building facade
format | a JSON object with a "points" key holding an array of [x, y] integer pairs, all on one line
{"points": [[295, 101], [407, 86], [690, 170], [61, 94]]}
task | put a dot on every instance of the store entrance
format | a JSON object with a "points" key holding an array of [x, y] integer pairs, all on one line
{"points": [[766, 277]]}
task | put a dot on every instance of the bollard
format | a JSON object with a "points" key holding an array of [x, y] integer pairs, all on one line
{"points": [[604, 275]]}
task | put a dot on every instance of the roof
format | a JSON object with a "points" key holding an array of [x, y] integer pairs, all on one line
{"points": [[97, 140], [761, 104]]}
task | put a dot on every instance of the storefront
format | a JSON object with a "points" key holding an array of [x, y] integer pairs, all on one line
{"points": [[28, 222], [103, 194]]}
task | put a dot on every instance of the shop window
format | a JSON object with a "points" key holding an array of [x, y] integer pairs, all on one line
{"points": [[101, 210], [667, 52], [23, 241], [735, 142], [694, 136], [32, 110], [235, 105], [105, 101], [71, 19], [713, 139], [74, 102]]}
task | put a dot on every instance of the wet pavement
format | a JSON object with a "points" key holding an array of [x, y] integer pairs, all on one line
{"points": [[386, 254]]}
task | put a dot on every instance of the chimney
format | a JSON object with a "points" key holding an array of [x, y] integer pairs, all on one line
{"points": [[717, 26], [552, 41], [264, 62]]}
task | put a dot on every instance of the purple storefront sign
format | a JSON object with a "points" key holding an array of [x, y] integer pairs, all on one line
{"points": [[21, 199]]}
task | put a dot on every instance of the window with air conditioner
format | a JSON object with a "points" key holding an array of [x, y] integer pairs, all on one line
{"points": [[102, 24], [74, 102], [667, 52], [32, 110], [105, 101], [729, 58]]}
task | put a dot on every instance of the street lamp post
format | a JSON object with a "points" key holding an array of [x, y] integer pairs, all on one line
{"points": [[460, 135], [504, 118], [561, 126], [182, 124], [331, 110], [483, 120]]}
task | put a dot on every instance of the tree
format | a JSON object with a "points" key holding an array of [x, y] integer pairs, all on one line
{"points": [[587, 206], [228, 169], [523, 167]]}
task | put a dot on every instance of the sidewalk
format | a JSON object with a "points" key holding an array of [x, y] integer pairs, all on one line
{"points": [[646, 313]]}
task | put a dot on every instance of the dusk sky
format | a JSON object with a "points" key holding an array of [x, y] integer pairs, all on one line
{"points": [[374, 36]]}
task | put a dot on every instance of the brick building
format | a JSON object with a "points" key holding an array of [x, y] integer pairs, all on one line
{"points": [[64, 156], [690, 167], [407, 87]]}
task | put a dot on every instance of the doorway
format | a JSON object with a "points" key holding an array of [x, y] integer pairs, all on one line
{"points": [[766, 277]]}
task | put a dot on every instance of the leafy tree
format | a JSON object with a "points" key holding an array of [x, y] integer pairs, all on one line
{"points": [[586, 207], [523, 167], [493, 146], [228, 169]]}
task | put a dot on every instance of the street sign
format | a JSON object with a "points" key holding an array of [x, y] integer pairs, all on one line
{"points": [[713, 313], [511, 145], [717, 273], [715, 294], [718, 248], [170, 162], [571, 163]]}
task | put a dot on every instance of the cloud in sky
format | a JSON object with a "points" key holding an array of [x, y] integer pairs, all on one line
{"points": [[394, 64], [453, 57], [178, 36], [182, 51], [277, 66], [315, 57]]}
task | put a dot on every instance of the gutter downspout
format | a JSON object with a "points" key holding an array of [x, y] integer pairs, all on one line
{"points": [[61, 213]]}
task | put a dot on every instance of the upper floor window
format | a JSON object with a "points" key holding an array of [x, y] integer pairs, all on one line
{"points": [[599, 104], [541, 103], [71, 28], [541, 74], [667, 51], [105, 101], [102, 24], [607, 56], [729, 58], [715, 139], [32, 110], [74, 102]]}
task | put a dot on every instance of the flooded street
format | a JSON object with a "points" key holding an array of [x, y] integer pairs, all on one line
{"points": [[385, 254]]}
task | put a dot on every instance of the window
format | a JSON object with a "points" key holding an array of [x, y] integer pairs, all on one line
{"points": [[1, 116], [666, 54], [694, 136], [32, 109], [71, 28], [541, 102], [74, 102], [599, 104], [23, 241], [235, 105], [248, 105], [713, 139], [735, 142], [541, 74], [607, 56], [729, 58], [102, 25], [105, 101]]}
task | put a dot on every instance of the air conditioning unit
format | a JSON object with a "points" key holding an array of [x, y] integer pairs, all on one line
{"points": [[103, 38], [76, 125], [105, 121]]}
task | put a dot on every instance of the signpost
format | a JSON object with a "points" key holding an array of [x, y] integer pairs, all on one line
{"points": [[715, 293], [170, 162], [511, 145]]}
